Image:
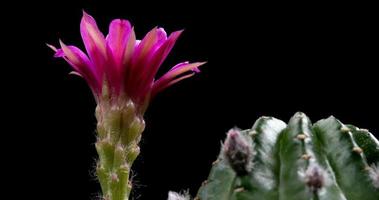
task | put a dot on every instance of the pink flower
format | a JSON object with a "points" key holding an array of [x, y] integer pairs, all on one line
{"points": [[118, 65]]}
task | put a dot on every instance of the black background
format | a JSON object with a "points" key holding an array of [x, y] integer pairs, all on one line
{"points": [[271, 60]]}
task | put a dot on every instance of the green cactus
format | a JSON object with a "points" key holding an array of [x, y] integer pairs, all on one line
{"points": [[299, 161]]}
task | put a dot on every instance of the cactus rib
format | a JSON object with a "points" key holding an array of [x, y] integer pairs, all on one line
{"points": [[324, 161]]}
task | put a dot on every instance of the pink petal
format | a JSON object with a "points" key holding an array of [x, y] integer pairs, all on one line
{"points": [[149, 44], [161, 54], [117, 43], [129, 47], [156, 90], [171, 76], [74, 55], [136, 71], [151, 68], [126, 69], [117, 39], [81, 64], [146, 44], [92, 37], [161, 38], [179, 65], [94, 42]]}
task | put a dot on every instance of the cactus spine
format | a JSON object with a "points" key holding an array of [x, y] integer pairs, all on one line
{"points": [[324, 161]]}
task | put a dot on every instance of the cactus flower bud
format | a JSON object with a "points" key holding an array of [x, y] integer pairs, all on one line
{"points": [[315, 177], [238, 151]]}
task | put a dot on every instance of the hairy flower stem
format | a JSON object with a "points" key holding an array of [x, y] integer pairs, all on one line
{"points": [[119, 131]]}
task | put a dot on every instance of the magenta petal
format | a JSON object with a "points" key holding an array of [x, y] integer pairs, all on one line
{"points": [[129, 48], [92, 37], [179, 65], [136, 71], [155, 61], [145, 45], [117, 43], [178, 70], [173, 76], [159, 56], [117, 39], [156, 90], [94, 42], [74, 55], [81, 64], [161, 38], [170, 43]]}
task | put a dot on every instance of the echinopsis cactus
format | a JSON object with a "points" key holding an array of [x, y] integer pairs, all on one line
{"points": [[299, 161]]}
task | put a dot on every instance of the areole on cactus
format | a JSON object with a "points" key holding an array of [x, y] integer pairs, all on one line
{"points": [[324, 161], [120, 71]]}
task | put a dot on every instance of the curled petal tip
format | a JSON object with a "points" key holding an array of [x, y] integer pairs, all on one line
{"points": [[177, 33], [86, 16], [59, 53], [196, 70], [84, 13], [198, 64], [180, 31], [93, 39], [201, 63], [63, 45]]}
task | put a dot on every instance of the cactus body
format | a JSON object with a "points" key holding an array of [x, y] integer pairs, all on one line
{"points": [[299, 161]]}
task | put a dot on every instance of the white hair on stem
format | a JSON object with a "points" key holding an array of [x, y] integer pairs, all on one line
{"points": [[374, 174], [178, 196]]}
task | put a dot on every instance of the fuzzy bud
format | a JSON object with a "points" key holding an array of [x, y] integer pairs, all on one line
{"points": [[238, 151], [315, 177], [177, 196]]}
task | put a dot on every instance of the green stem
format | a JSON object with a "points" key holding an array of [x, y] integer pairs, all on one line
{"points": [[119, 129]]}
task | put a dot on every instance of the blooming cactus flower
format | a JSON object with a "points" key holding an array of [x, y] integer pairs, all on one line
{"points": [[120, 71], [119, 65]]}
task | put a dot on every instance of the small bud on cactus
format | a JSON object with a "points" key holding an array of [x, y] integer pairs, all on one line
{"points": [[315, 177], [177, 196], [238, 151]]}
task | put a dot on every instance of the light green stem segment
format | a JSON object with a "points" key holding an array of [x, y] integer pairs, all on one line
{"points": [[119, 131]]}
